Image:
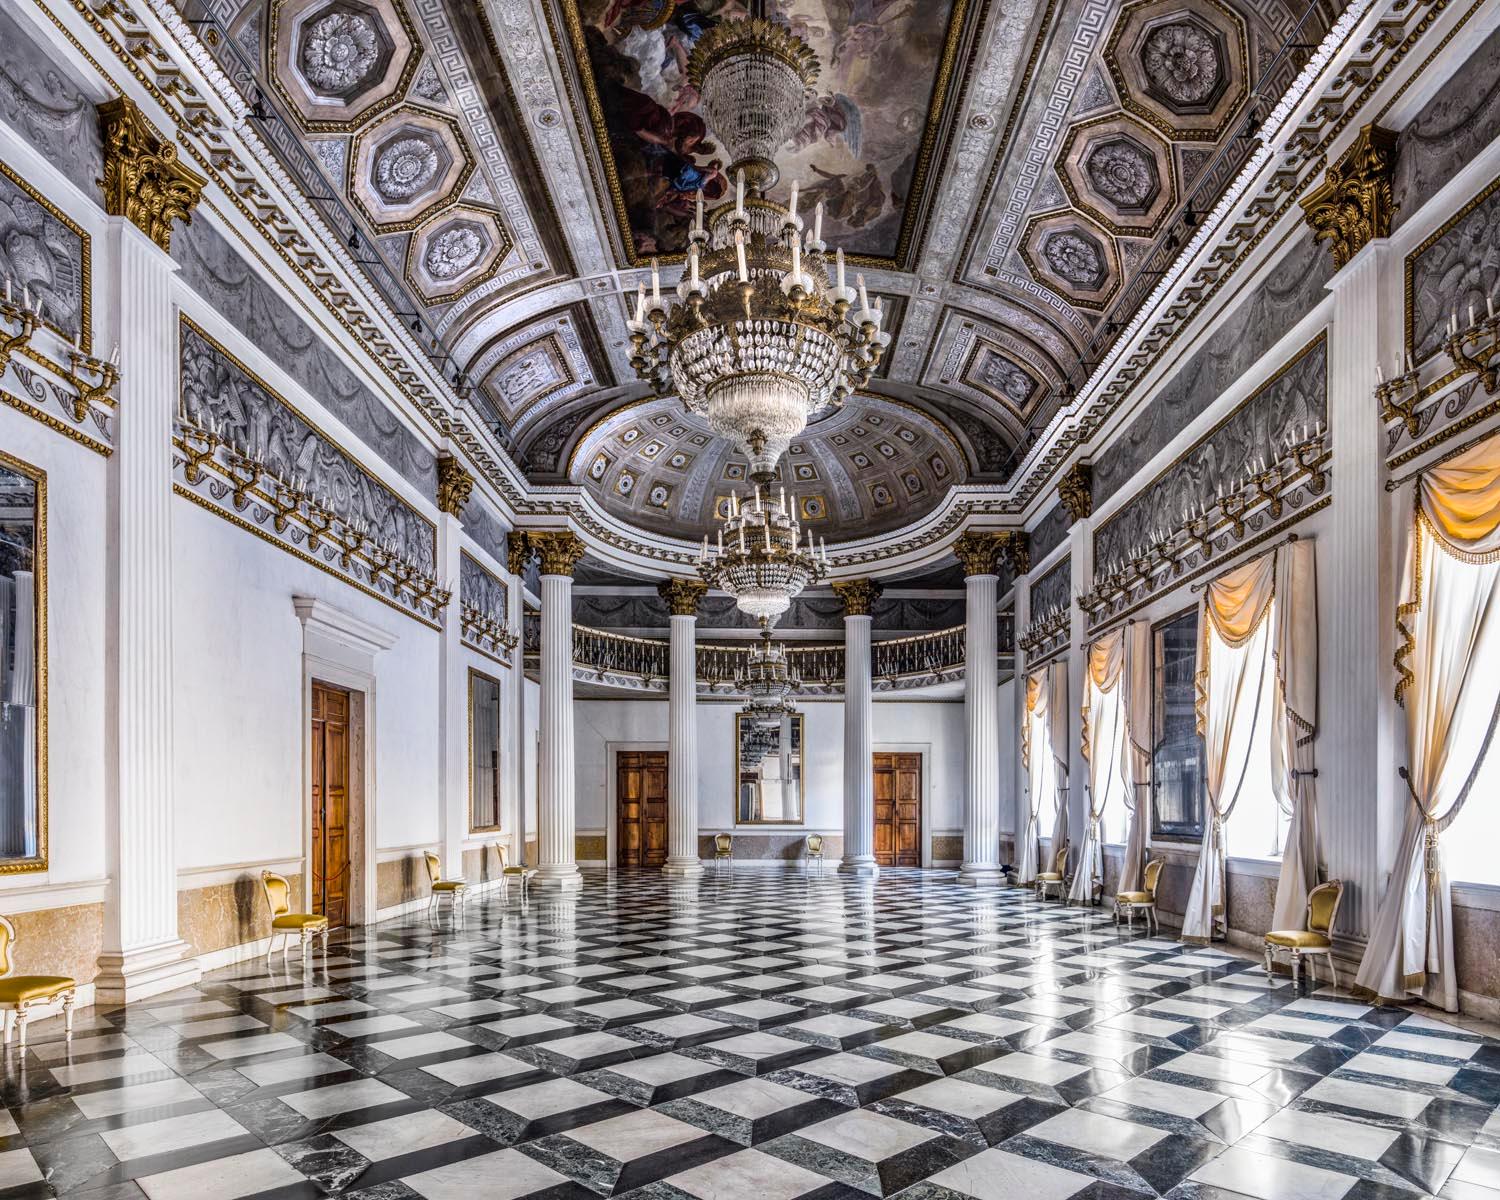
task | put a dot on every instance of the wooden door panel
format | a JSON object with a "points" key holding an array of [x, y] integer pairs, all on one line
{"points": [[641, 808], [330, 803], [898, 809]]}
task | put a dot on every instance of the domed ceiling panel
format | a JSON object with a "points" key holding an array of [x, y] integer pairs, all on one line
{"points": [[873, 465]]}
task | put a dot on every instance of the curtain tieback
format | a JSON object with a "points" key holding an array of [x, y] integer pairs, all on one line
{"points": [[1430, 848]]}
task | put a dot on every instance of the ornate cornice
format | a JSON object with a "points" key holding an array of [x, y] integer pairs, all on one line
{"points": [[1075, 490], [857, 595], [455, 484], [1355, 202], [682, 595], [559, 549], [143, 180]]}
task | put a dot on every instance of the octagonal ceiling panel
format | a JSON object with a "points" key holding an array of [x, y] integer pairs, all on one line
{"points": [[1072, 255], [407, 164], [340, 62], [1120, 173], [1182, 67], [454, 251]]}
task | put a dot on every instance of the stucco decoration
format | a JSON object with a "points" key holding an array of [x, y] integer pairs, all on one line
{"points": [[1050, 532], [340, 62], [1074, 256], [45, 254], [479, 588], [1006, 379], [47, 105], [485, 529], [1183, 62], [218, 393], [455, 251], [1120, 172], [405, 164], [1052, 590], [1454, 271], [1182, 67], [258, 310]]}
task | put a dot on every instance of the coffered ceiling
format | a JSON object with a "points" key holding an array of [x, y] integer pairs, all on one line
{"points": [[1012, 178]]}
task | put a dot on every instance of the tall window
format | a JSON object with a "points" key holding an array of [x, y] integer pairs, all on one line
{"points": [[1256, 827], [484, 753], [1043, 779], [1176, 748]]}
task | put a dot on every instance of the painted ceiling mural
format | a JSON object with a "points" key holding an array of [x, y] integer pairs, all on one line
{"points": [[1014, 179]]}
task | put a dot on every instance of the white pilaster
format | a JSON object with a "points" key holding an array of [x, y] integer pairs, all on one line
{"points": [[1080, 564], [981, 863], [859, 750], [1021, 791], [682, 750], [517, 731], [142, 953], [453, 709], [556, 813]]}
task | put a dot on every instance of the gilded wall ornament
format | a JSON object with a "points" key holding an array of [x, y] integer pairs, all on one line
{"points": [[143, 181], [559, 549], [1015, 550], [1354, 204], [1076, 492], [518, 552], [682, 595], [455, 485], [858, 595]]}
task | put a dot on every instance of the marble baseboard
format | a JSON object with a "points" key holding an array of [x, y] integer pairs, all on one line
{"points": [[590, 847], [226, 914], [400, 880], [59, 941], [784, 847], [949, 847]]}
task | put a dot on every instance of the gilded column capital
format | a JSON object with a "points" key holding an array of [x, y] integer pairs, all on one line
{"points": [[858, 595], [455, 485], [1355, 202], [559, 550], [978, 552], [143, 180], [1075, 490], [682, 595], [518, 552]]}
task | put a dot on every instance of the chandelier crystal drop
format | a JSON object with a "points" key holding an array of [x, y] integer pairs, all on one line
{"points": [[765, 331], [760, 559]]}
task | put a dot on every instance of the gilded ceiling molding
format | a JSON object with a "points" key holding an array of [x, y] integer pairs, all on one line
{"points": [[559, 550], [858, 595], [1075, 490], [1355, 203], [682, 595], [143, 180], [455, 485]]}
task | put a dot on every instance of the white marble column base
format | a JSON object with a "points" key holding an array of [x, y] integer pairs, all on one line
{"points": [[127, 976], [557, 877], [683, 868], [980, 875], [863, 865]]}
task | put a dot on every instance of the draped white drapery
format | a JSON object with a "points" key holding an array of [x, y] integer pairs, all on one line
{"points": [[1057, 741], [1136, 679], [1106, 750], [1046, 703], [1448, 629]]}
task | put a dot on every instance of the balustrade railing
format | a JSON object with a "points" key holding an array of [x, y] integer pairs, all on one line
{"points": [[921, 654]]}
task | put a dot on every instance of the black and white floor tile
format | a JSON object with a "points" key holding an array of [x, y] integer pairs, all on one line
{"points": [[760, 1035]]}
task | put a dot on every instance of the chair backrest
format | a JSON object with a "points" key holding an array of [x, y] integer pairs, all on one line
{"points": [[7, 940], [1323, 905], [815, 843], [504, 855], [722, 843], [434, 868], [278, 893], [1060, 859], [1153, 873]]}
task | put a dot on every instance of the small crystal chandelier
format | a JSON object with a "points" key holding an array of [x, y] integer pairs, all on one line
{"points": [[760, 559], [768, 678], [763, 336]]}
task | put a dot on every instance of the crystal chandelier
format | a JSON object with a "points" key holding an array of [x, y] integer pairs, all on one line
{"points": [[760, 559], [768, 678], [763, 335]]}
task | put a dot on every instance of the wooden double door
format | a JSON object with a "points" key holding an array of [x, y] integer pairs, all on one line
{"points": [[330, 803], [898, 810], [641, 808]]}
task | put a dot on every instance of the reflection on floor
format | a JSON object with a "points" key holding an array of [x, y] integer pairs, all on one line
{"points": [[763, 1036]]}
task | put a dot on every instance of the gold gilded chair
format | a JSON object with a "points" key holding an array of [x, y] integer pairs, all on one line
{"points": [[508, 872], [723, 849], [455, 889], [815, 849], [1145, 899], [18, 993], [1055, 878], [284, 921], [1316, 939]]}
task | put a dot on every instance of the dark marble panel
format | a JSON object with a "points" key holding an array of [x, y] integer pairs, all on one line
{"points": [[1454, 272], [1050, 533], [1293, 288], [211, 268], [48, 106], [807, 612]]}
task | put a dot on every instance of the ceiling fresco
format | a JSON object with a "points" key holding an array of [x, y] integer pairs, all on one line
{"points": [[1014, 177]]}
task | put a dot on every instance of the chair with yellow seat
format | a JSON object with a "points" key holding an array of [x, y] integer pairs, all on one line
{"points": [[523, 873], [1316, 939], [455, 889], [815, 849], [286, 922], [723, 849], [1055, 878], [19, 993], [1144, 900]]}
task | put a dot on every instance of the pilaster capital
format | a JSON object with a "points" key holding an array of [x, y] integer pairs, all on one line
{"points": [[1355, 202], [682, 595], [454, 485], [143, 180], [559, 550], [981, 552], [518, 551], [857, 595], [1075, 490]]}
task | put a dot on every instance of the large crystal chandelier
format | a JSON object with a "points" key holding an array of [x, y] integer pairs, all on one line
{"points": [[763, 334], [760, 559]]}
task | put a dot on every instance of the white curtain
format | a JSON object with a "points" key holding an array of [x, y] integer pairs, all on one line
{"points": [[1057, 742], [1294, 727], [1448, 665], [1037, 760], [1104, 749], [1136, 701]]}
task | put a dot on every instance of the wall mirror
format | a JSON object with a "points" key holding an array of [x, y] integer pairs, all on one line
{"points": [[768, 768], [23, 670]]}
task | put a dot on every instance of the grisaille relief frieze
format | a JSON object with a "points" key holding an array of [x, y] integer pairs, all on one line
{"points": [[211, 268], [485, 530], [1050, 533], [1291, 290], [1048, 626], [45, 104], [43, 256], [1452, 272], [251, 454], [484, 607]]}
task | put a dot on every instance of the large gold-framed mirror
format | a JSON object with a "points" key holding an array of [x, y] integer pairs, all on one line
{"points": [[23, 666], [768, 768]]}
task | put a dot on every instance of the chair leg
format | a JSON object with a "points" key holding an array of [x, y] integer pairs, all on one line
{"points": [[21, 1016], [1268, 959], [1333, 971], [1296, 971], [67, 1001]]}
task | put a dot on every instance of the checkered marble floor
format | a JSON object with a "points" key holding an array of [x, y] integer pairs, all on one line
{"points": [[760, 1035]]}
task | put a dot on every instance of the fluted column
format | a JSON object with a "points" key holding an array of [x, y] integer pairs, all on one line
{"points": [[979, 554], [556, 816], [858, 596], [454, 486], [682, 596]]}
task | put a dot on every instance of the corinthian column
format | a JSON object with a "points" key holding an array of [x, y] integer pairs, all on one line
{"points": [[682, 596], [859, 718], [556, 816]]}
